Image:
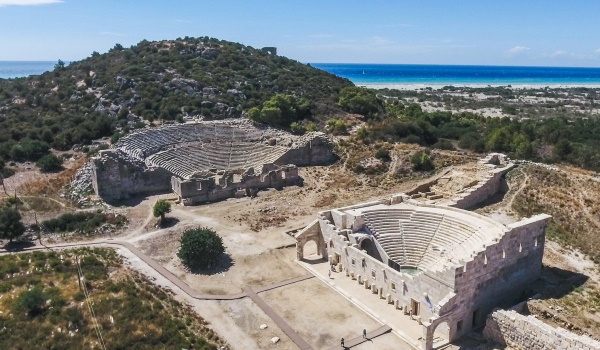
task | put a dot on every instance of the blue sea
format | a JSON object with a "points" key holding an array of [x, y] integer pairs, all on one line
{"points": [[17, 69], [404, 74], [427, 75]]}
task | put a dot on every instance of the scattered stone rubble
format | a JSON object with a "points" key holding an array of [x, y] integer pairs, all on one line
{"points": [[81, 185]]}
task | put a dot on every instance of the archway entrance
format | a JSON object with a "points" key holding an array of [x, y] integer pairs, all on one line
{"points": [[441, 335], [311, 251]]}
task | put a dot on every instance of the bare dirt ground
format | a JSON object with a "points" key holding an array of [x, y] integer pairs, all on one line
{"points": [[303, 303], [259, 251]]}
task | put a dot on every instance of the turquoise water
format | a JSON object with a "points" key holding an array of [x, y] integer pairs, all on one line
{"points": [[365, 74], [17, 69], [461, 75]]}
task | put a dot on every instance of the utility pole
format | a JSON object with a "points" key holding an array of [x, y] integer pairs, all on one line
{"points": [[78, 269], [37, 225], [3, 186]]}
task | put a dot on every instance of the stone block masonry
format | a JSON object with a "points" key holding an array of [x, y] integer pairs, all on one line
{"points": [[508, 327], [206, 161]]}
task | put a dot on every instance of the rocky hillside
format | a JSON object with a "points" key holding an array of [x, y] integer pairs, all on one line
{"points": [[152, 81]]}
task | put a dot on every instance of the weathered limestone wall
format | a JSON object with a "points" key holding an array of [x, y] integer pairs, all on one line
{"points": [[510, 328], [209, 189], [483, 190], [117, 176], [312, 149], [500, 272], [311, 232]]}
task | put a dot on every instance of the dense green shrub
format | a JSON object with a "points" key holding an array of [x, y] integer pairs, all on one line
{"points": [[337, 126], [281, 110], [200, 248], [360, 101], [383, 154], [82, 222], [50, 163], [32, 301], [421, 161]]}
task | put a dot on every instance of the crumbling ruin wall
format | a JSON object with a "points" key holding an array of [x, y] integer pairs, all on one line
{"points": [[117, 176], [214, 188], [508, 327], [311, 149], [483, 190]]}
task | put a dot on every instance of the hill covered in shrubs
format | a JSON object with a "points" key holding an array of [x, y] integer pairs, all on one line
{"points": [[151, 82]]}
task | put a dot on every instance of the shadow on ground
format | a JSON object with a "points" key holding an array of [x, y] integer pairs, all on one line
{"points": [[18, 246], [224, 263], [169, 222], [314, 261], [555, 282]]}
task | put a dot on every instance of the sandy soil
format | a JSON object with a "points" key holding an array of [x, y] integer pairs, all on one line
{"points": [[303, 303], [259, 251]]}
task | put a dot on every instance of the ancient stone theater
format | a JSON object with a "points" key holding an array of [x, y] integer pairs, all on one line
{"points": [[442, 266], [206, 161]]}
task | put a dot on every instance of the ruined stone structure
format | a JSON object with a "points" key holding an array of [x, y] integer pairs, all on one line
{"points": [[508, 327], [444, 265], [206, 161]]}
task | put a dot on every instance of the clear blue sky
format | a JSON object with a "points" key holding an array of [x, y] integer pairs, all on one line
{"points": [[501, 32]]}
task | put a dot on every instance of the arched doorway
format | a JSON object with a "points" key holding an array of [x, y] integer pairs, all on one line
{"points": [[366, 244], [441, 334], [311, 251]]}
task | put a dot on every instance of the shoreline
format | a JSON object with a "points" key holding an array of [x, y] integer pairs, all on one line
{"points": [[414, 86]]}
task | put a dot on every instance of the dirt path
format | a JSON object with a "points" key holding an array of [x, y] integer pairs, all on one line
{"points": [[524, 184]]}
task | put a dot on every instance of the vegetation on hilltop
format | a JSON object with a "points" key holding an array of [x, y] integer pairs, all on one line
{"points": [[109, 94]]}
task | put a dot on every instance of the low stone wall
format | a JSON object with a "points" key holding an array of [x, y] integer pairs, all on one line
{"points": [[510, 328], [222, 186], [482, 191]]}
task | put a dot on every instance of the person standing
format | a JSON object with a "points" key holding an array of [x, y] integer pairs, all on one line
{"points": [[364, 333], [342, 342]]}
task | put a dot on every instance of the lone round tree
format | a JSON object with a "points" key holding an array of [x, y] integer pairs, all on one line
{"points": [[161, 208], [200, 248], [10, 224]]}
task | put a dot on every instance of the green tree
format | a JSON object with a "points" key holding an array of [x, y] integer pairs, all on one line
{"points": [[360, 100], [161, 208], [281, 110], [421, 161], [11, 226], [200, 248], [59, 65], [50, 163], [563, 148]]}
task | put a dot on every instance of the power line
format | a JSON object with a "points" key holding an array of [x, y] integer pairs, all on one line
{"points": [[89, 303]]}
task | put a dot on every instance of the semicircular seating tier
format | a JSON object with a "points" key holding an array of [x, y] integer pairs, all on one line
{"points": [[428, 237], [187, 149]]}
